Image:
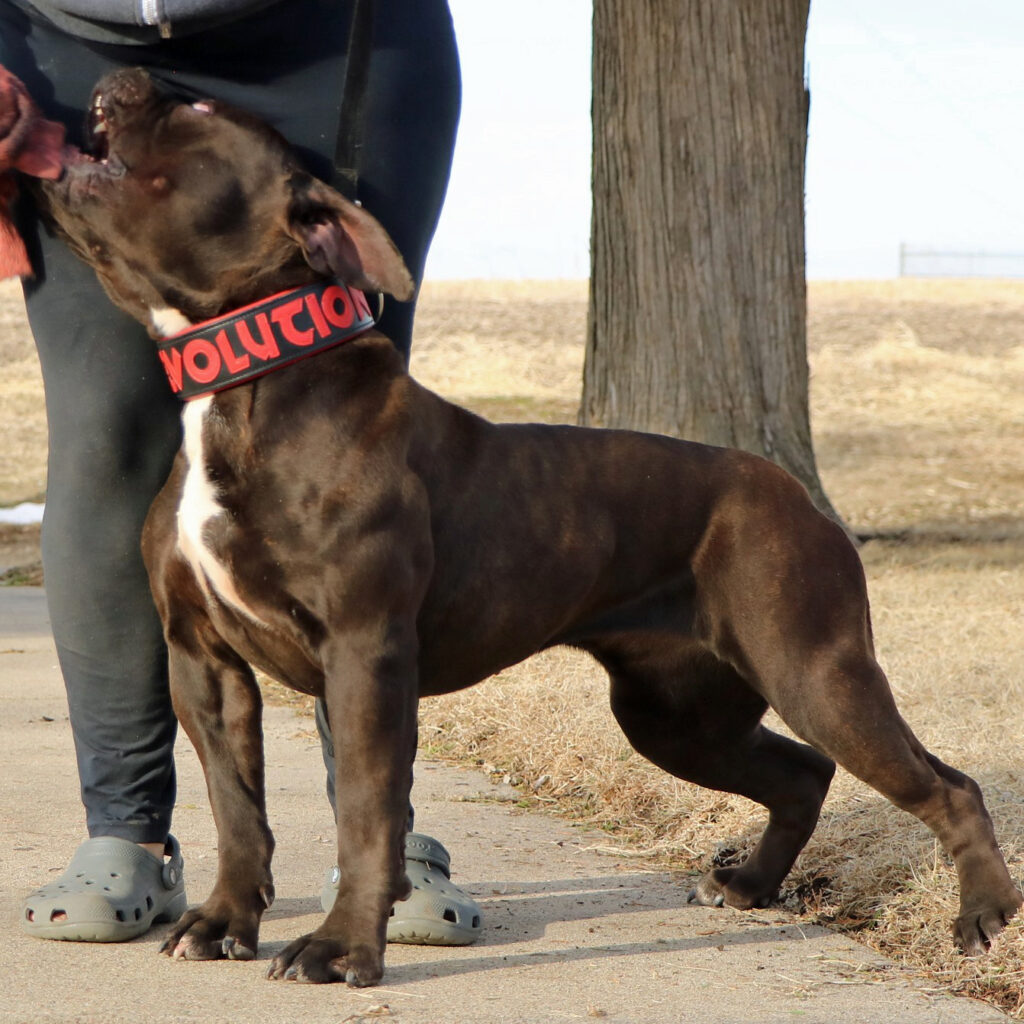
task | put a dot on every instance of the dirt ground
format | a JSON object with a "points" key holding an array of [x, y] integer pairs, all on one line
{"points": [[917, 396]]}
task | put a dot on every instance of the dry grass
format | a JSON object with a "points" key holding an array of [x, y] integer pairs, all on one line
{"points": [[918, 407]]}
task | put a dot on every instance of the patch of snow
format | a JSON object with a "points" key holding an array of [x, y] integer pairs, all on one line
{"points": [[23, 514]]}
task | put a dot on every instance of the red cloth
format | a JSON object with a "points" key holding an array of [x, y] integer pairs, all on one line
{"points": [[30, 144]]}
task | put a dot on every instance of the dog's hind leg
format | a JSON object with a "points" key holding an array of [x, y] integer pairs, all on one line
{"points": [[784, 598], [702, 723], [218, 702], [857, 724]]}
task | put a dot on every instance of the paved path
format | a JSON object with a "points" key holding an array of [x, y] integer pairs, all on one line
{"points": [[570, 933]]}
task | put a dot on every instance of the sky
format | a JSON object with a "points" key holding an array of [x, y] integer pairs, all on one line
{"points": [[915, 136]]}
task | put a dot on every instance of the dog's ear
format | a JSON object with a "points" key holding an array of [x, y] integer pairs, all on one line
{"points": [[342, 239]]}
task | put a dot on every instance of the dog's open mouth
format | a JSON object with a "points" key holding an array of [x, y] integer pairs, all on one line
{"points": [[96, 154], [90, 171]]}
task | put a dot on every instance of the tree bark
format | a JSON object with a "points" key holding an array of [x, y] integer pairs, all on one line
{"points": [[697, 319]]}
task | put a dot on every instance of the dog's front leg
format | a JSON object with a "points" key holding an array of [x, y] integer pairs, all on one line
{"points": [[218, 703], [371, 696]]}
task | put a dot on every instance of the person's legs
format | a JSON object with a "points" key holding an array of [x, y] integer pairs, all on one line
{"points": [[113, 432]]}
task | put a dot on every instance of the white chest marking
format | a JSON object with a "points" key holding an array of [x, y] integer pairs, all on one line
{"points": [[168, 321], [198, 508]]}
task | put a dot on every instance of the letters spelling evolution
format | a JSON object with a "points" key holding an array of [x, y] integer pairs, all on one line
{"points": [[252, 341]]}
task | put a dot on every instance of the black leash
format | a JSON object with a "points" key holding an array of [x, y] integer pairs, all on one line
{"points": [[350, 117]]}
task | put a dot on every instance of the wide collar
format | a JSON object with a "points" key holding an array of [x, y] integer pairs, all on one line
{"points": [[256, 339]]}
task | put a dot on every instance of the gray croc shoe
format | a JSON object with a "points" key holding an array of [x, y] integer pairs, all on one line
{"points": [[112, 890], [436, 913]]}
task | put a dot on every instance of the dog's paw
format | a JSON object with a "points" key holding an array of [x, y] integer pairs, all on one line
{"points": [[321, 960], [706, 895], [201, 935], [975, 930], [727, 887]]}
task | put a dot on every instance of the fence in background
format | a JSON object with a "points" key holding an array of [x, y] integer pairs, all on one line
{"points": [[916, 262]]}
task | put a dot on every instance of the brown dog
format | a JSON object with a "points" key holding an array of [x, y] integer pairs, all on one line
{"points": [[360, 539]]}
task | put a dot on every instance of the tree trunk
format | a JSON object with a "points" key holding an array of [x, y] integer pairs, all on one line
{"points": [[697, 320]]}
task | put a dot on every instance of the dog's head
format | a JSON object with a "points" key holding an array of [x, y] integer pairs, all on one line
{"points": [[203, 208]]}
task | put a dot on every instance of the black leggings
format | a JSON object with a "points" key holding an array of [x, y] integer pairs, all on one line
{"points": [[112, 438]]}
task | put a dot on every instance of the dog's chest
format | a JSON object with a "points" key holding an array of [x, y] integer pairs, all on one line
{"points": [[198, 511]]}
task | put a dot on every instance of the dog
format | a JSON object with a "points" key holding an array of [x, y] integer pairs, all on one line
{"points": [[362, 540]]}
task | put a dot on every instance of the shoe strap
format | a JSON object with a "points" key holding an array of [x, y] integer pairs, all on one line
{"points": [[428, 850], [174, 866]]}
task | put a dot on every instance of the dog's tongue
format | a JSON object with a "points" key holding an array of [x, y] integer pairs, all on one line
{"points": [[30, 144]]}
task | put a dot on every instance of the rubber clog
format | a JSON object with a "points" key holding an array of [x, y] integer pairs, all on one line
{"points": [[437, 913], [113, 890]]}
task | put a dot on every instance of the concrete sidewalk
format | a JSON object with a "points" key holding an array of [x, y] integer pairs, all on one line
{"points": [[570, 933]]}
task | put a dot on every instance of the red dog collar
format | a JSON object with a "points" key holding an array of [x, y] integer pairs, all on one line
{"points": [[265, 336]]}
